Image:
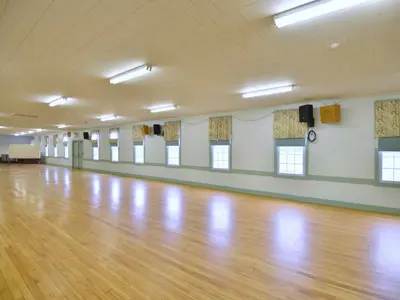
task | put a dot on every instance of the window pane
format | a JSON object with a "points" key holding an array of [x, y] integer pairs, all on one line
{"points": [[220, 156], [55, 151], [291, 160], [282, 168], [397, 161], [66, 151], [95, 153], [114, 153], [173, 155], [387, 174], [298, 159], [139, 154], [46, 150], [387, 161], [397, 175], [298, 169]]}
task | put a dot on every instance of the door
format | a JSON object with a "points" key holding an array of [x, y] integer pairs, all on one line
{"points": [[77, 154]]}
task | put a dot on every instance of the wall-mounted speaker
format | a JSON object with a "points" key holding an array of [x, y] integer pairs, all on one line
{"points": [[306, 115], [86, 136], [157, 129]]}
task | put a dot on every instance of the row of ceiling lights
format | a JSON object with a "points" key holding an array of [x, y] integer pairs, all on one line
{"points": [[296, 15]]}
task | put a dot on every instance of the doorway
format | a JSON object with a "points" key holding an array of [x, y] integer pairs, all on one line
{"points": [[77, 154]]}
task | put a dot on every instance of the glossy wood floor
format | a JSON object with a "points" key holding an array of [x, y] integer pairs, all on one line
{"points": [[78, 235]]}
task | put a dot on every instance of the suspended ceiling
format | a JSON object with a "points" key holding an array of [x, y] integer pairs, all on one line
{"points": [[204, 52]]}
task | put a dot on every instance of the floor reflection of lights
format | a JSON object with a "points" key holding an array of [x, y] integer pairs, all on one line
{"points": [[173, 208], [220, 221], [289, 236]]}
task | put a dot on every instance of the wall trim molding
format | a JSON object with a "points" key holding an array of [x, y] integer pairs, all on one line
{"points": [[364, 181], [341, 204]]}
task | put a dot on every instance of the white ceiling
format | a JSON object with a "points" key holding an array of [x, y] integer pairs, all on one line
{"points": [[205, 52]]}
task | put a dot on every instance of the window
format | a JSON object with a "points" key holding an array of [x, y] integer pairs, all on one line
{"points": [[114, 136], [114, 153], [95, 145], [46, 150], [55, 152], [220, 157], [291, 160], [390, 166], [389, 160], [65, 142], [173, 155], [138, 152], [95, 153], [290, 157]]}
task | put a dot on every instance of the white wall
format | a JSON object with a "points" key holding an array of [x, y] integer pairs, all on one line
{"points": [[6, 140], [342, 152]]}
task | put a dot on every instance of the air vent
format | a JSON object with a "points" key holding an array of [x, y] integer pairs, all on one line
{"points": [[24, 116]]}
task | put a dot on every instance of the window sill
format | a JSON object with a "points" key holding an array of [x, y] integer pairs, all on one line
{"points": [[220, 170], [291, 176], [172, 166]]}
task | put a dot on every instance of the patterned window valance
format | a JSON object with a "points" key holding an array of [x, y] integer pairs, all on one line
{"points": [[55, 137], [287, 125], [387, 118], [172, 131], [220, 128], [138, 133]]}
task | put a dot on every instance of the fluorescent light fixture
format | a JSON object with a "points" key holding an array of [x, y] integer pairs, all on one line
{"points": [[157, 109], [20, 133], [31, 131], [59, 101], [108, 118], [3, 127], [39, 130], [313, 10], [130, 74], [61, 126], [269, 91]]}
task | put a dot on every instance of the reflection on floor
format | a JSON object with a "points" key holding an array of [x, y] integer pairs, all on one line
{"points": [[78, 235]]}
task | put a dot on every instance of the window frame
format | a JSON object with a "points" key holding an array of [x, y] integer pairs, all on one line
{"points": [[389, 144], [172, 143], [134, 153], [298, 142], [211, 154]]}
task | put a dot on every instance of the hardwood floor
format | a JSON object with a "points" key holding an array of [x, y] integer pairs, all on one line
{"points": [[78, 235]]}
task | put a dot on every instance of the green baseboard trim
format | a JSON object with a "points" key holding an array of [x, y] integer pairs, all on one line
{"points": [[340, 204]]}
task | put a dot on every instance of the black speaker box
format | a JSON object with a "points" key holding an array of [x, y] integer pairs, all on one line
{"points": [[157, 129], [86, 136], [306, 114]]}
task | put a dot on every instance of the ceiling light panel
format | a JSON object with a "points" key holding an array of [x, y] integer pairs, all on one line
{"points": [[157, 109], [130, 74], [269, 91], [313, 10], [59, 101]]}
